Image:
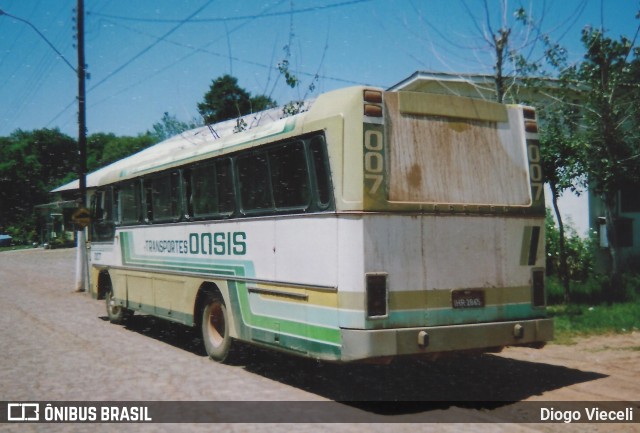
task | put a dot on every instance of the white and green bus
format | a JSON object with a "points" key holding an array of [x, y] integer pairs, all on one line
{"points": [[373, 225]]}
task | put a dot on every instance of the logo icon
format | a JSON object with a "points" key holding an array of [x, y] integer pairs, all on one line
{"points": [[23, 412]]}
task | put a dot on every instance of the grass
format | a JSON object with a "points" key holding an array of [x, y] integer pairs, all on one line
{"points": [[16, 247], [583, 320]]}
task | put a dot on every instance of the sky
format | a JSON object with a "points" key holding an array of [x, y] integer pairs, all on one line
{"points": [[148, 57], [153, 56]]}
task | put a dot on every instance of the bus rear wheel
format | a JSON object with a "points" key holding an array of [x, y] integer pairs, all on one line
{"points": [[215, 329], [116, 313]]}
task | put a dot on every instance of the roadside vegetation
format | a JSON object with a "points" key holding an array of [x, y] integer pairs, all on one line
{"points": [[573, 321], [590, 311], [15, 247]]}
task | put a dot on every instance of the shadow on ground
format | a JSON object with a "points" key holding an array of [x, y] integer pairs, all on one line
{"points": [[480, 381]]}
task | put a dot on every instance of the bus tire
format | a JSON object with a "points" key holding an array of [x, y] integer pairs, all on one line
{"points": [[116, 313], [215, 329]]}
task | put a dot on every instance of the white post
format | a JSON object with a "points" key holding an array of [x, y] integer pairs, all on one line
{"points": [[81, 261]]}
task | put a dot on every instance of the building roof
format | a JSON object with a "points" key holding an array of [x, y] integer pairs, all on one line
{"points": [[481, 86]]}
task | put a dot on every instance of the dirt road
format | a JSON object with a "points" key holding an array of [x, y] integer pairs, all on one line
{"points": [[57, 345]]}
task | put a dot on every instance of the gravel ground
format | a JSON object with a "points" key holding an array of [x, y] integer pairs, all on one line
{"points": [[58, 345]]}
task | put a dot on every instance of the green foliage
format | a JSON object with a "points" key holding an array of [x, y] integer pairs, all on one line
{"points": [[291, 79], [121, 147], [611, 122], [612, 111], [103, 149], [554, 58], [588, 287], [31, 164], [22, 234], [295, 106], [579, 251], [170, 126], [560, 147], [226, 100], [579, 320]]}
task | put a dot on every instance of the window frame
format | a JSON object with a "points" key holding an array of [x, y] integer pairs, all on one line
{"points": [[189, 191], [317, 177], [148, 197], [138, 193]]}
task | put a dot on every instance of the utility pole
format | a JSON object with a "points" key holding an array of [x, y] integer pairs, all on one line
{"points": [[81, 256], [82, 107]]}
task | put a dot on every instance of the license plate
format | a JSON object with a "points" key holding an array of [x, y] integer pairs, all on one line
{"points": [[467, 298]]}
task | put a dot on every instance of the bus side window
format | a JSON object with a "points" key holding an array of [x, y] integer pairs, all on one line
{"points": [[130, 203], [254, 182], [103, 227], [116, 205], [224, 184], [162, 195], [211, 190], [202, 194], [289, 176], [96, 205], [321, 171]]}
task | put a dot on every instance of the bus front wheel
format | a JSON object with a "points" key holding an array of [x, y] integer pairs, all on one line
{"points": [[215, 329]]}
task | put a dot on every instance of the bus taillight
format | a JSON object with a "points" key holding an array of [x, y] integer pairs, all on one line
{"points": [[372, 99], [530, 123], [372, 110], [373, 96]]}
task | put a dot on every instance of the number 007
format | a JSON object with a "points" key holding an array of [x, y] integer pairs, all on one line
{"points": [[373, 159], [535, 170]]}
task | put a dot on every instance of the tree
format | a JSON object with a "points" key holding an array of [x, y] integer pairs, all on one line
{"points": [[612, 114], [560, 150], [170, 126], [513, 44], [31, 164], [103, 149], [121, 147], [226, 100]]}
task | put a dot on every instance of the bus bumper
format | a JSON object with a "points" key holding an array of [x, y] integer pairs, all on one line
{"points": [[362, 344]]}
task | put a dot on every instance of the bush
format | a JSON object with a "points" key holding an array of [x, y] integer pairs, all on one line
{"points": [[586, 285], [22, 235], [590, 292], [579, 251]]}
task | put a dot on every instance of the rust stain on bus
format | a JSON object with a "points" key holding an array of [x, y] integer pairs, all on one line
{"points": [[451, 160], [414, 177]]}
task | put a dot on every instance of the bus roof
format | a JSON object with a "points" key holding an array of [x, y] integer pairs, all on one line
{"points": [[194, 144]]}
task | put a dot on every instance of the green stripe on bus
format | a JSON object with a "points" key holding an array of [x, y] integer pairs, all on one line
{"points": [[316, 336]]}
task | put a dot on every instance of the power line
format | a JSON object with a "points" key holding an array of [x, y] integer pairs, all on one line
{"points": [[145, 50], [195, 50], [203, 49], [41, 35], [239, 18], [134, 58]]}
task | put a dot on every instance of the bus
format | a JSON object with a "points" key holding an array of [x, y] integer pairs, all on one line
{"points": [[374, 225]]}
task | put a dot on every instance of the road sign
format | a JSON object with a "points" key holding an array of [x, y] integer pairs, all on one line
{"points": [[81, 217]]}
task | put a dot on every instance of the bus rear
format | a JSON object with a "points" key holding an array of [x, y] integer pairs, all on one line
{"points": [[450, 234]]}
